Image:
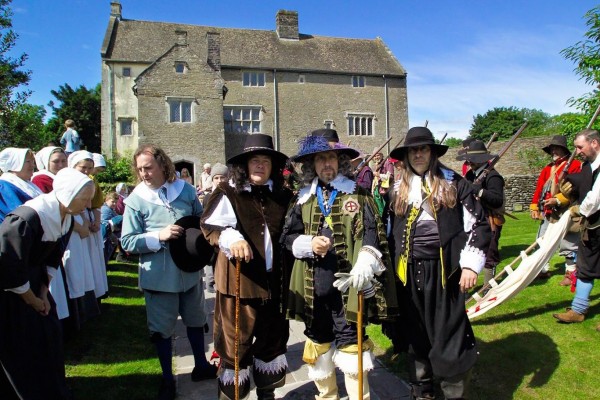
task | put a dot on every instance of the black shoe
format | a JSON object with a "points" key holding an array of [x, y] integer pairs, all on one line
{"points": [[167, 390], [203, 373], [265, 394]]}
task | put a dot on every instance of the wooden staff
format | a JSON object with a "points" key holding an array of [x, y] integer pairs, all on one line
{"points": [[359, 323], [565, 170], [236, 349], [501, 273]]}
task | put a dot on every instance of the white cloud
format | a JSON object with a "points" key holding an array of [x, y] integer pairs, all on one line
{"points": [[498, 69]]}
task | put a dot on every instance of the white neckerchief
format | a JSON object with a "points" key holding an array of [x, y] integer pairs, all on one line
{"points": [[341, 183], [44, 172], [248, 187], [415, 196], [48, 209], [27, 186], [151, 195]]}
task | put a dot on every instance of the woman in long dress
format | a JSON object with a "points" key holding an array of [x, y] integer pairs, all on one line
{"points": [[32, 237], [17, 167]]}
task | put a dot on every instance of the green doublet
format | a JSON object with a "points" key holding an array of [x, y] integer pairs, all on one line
{"points": [[348, 230]]}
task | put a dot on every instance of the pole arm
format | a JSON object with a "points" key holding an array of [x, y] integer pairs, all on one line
{"points": [[366, 161]]}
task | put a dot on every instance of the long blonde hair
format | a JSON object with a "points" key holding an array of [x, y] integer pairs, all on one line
{"points": [[443, 192]]}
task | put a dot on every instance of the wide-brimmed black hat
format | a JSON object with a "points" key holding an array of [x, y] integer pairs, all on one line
{"points": [[190, 251], [311, 145], [415, 137], [557, 140], [476, 153], [330, 134], [465, 145], [258, 143]]}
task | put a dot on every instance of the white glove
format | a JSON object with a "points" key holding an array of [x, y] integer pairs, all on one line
{"points": [[367, 265], [345, 280]]}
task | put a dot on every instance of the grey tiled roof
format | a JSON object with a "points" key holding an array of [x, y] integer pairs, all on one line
{"points": [[144, 41]]}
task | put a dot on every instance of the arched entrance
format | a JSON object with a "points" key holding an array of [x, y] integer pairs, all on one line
{"points": [[180, 165]]}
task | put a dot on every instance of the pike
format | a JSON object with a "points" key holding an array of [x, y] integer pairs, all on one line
{"points": [[443, 138], [495, 160], [368, 159], [489, 143], [565, 170]]}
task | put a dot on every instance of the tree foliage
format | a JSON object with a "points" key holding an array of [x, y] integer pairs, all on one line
{"points": [[82, 105], [506, 121], [453, 142], [118, 169], [25, 128], [585, 54]]}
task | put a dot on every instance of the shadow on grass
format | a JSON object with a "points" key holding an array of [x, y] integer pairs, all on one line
{"points": [[123, 387], [547, 308], [504, 364]]}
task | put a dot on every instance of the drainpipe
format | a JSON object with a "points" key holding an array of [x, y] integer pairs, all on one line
{"points": [[387, 112], [111, 110], [275, 111]]}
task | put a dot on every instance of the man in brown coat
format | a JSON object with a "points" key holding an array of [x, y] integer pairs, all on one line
{"points": [[245, 219]]}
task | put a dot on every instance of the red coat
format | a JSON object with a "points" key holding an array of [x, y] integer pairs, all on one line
{"points": [[44, 182], [540, 192]]}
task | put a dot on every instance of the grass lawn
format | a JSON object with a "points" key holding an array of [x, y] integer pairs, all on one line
{"points": [[524, 352]]}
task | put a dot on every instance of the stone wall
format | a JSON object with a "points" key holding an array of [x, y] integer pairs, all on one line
{"points": [[520, 175]]}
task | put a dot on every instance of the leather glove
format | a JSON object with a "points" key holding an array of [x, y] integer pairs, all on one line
{"points": [[574, 210], [566, 188]]}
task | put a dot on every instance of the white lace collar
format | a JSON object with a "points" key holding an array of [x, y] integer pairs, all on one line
{"points": [[151, 195], [341, 183]]}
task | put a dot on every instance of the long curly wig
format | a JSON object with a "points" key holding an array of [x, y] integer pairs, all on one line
{"points": [[308, 173], [240, 177]]}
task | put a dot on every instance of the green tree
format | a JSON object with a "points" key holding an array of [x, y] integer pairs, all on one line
{"points": [[453, 142], [506, 121], [11, 74], [585, 54], [25, 123], [82, 105]]}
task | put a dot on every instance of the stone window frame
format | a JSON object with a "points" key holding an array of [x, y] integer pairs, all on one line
{"points": [[359, 81], [365, 121], [329, 124], [242, 119], [126, 71], [123, 122], [180, 67], [248, 75], [180, 100]]}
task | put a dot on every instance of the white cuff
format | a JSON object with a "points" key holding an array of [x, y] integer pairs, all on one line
{"points": [[302, 247], [472, 258], [369, 255], [152, 241], [19, 290], [228, 237], [51, 271]]}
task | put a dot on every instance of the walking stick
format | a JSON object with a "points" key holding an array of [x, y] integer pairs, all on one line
{"points": [[236, 350], [359, 322]]}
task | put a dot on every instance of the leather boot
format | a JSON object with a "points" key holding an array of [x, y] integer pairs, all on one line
{"points": [[567, 280], [351, 382], [327, 388], [569, 316]]}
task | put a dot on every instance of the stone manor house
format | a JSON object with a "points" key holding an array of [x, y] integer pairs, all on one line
{"points": [[197, 91]]}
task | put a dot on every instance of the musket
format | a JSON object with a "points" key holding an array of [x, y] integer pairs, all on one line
{"points": [[565, 170], [495, 160], [368, 159], [489, 143], [443, 138]]}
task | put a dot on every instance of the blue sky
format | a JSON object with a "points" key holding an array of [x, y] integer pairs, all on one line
{"points": [[463, 58]]}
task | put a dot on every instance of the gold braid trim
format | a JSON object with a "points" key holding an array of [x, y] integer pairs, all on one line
{"points": [[403, 261]]}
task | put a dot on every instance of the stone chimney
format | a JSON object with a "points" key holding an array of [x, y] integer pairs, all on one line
{"points": [[213, 57], [115, 9], [181, 38], [287, 24]]}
